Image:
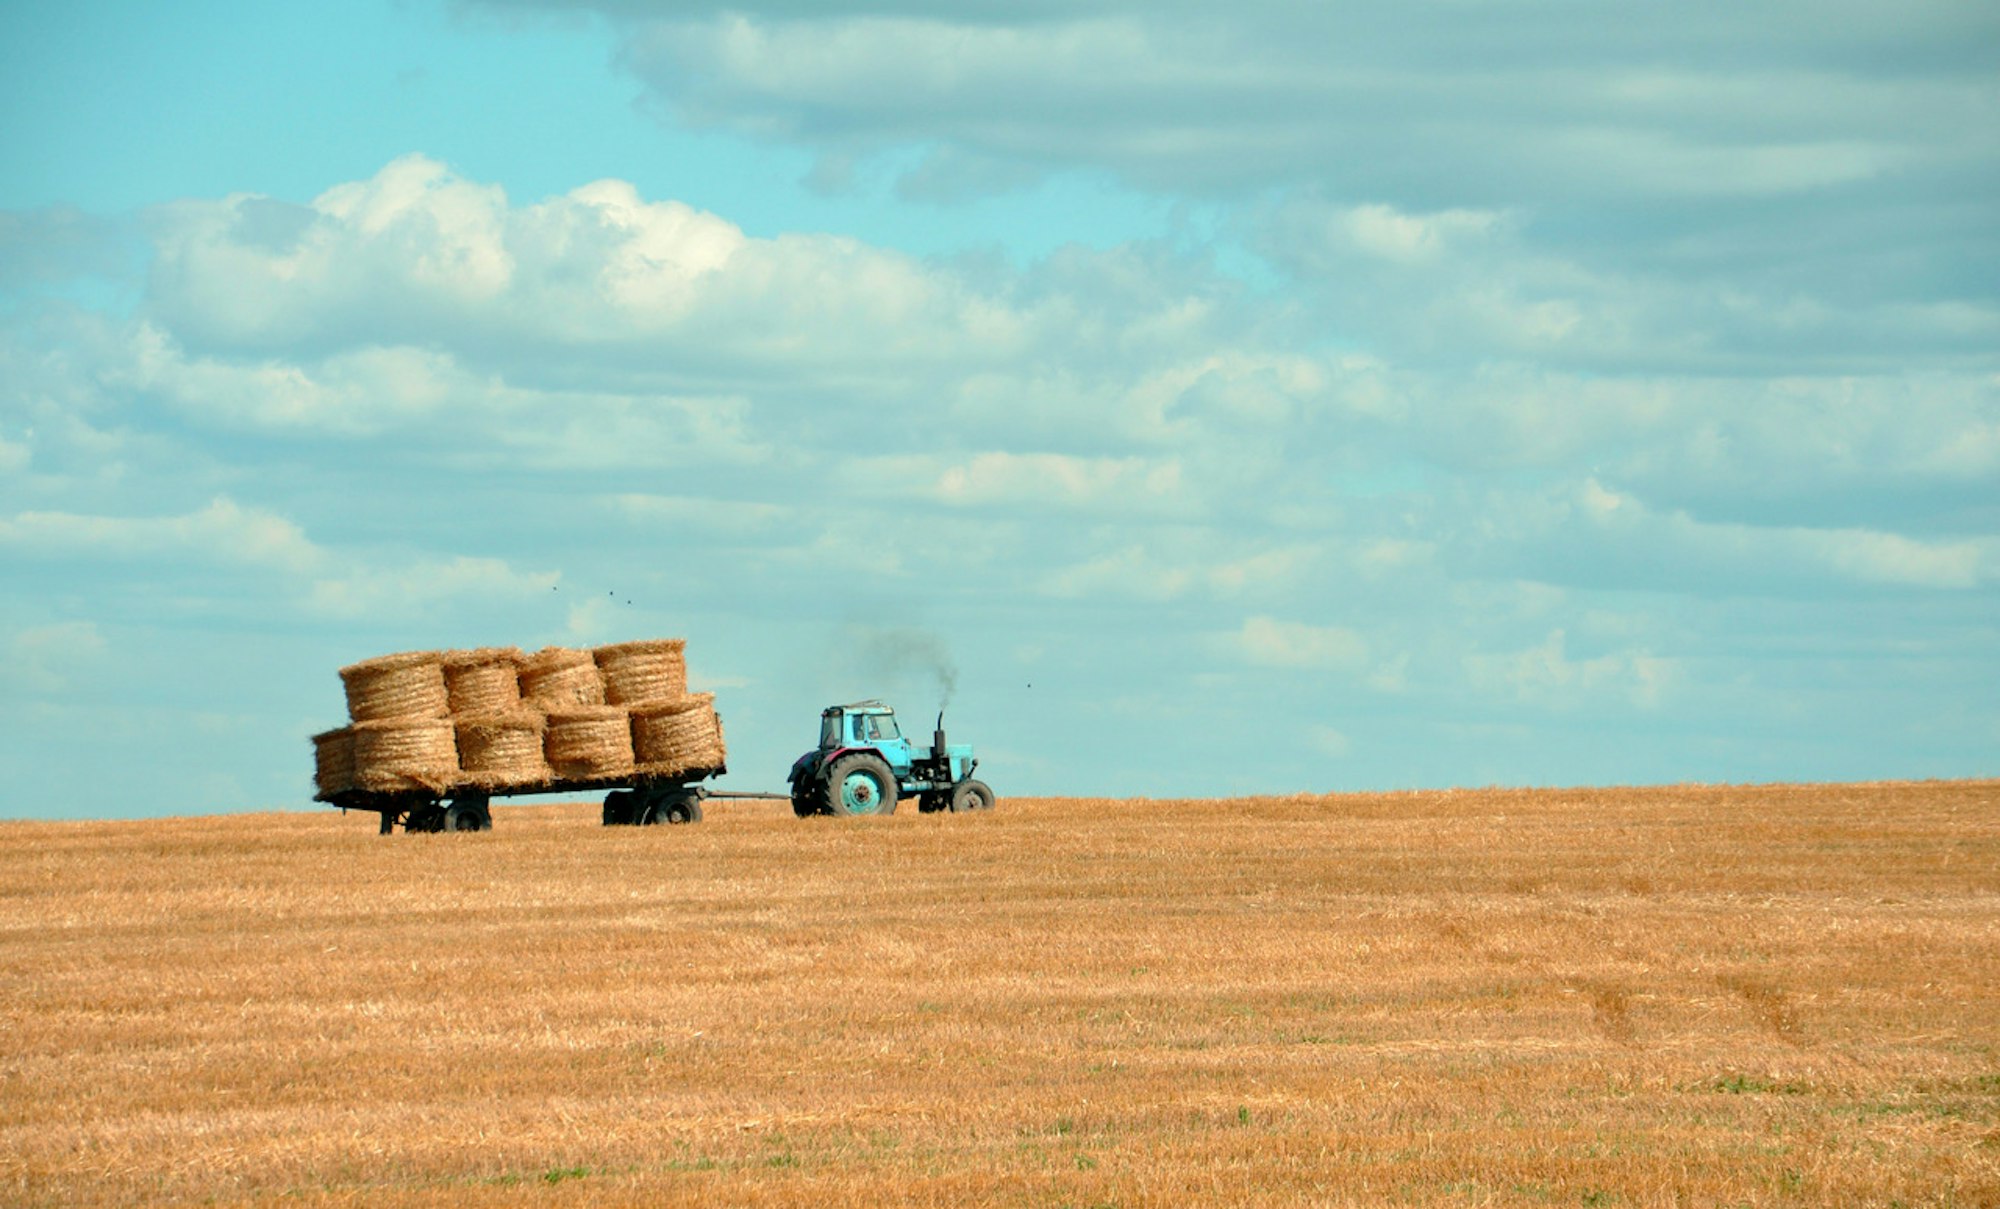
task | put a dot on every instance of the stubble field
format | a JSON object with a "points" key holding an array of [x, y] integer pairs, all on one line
{"points": [[1674, 996]]}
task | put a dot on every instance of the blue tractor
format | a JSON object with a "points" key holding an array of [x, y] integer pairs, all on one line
{"points": [[864, 765]]}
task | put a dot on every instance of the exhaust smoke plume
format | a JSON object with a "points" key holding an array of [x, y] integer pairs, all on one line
{"points": [[904, 657]]}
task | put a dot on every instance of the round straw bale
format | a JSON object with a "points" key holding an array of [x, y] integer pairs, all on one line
{"points": [[502, 749], [397, 754], [405, 685], [560, 677], [652, 670], [588, 742], [678, 736], [333, 761], [483, 682]]}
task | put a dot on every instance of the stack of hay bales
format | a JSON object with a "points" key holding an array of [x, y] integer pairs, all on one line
{"points": [[498, 719], [499, 734], [674, 736], [401, 738]]}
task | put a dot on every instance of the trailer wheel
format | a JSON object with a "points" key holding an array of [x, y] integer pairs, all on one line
{"points": [[675, 809], [934, 801], [860, 783], [803, 804], [971, 795], [427, 817], [619, 807], [467, 816]]}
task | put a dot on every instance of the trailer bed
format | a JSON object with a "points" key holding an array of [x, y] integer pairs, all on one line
{"points": [[438, 810]]}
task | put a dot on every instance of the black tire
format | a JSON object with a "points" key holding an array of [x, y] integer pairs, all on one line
{"points": [[618, 807], [970, 795], [426, 818], [467, 816], [859, 783], [804, 803], [673, 809], [934, 801]]}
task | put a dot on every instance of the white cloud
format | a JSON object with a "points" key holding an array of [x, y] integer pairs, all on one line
{"points": [[1545, 675], [1182, 562], [1592, 535], [681, 514], [1329, 742], [454, 230], [416, 255], [1562, 104], [373, 391], [47, 658], [295, 571], [1127, 572], [365, 590], [1862, 555], [1298, 646], [1386, 232], [224, 532], [1055, 480], [361, 391], [1895, 560]]}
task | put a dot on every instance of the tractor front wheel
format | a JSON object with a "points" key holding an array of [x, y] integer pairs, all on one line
{"points": [[971, 795], [860, 783]]}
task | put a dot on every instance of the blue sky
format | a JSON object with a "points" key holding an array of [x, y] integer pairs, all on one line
{"points": [[1248, 398]]}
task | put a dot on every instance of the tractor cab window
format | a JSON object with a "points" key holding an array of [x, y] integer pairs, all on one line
{"points": [[882, 727], [829, 731]]}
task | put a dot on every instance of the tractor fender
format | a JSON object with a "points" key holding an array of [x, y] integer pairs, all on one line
{"points": [[809, 766]]}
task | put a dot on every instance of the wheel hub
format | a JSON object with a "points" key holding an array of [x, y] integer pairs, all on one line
{"points": [[861, 792]]}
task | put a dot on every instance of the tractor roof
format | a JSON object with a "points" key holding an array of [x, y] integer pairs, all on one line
{"points": [[870, 706]]}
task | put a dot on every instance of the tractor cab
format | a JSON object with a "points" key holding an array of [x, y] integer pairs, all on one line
{"points": [[862, 724]]}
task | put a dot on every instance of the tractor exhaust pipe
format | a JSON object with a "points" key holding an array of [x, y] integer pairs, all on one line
{"points": [[937, 738]]}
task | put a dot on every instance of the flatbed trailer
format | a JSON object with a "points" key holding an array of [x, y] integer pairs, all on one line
{"points": [[635, 799]]}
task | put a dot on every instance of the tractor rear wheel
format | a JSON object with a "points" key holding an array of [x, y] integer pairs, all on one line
{"points": [[860, 783], [971, 795]]}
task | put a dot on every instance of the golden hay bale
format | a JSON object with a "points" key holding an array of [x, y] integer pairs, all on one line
{"points": [[588, 742], [483, 682], [678, 736], [559, 677], [333, 761], [399, 754], [652, 670], [405, 685], [502, 749]]}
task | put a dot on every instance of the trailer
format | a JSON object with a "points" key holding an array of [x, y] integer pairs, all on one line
{"points": [[636, 800]]}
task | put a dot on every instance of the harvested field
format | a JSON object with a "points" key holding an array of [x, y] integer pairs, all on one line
{"points": [[1676, 996]]}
